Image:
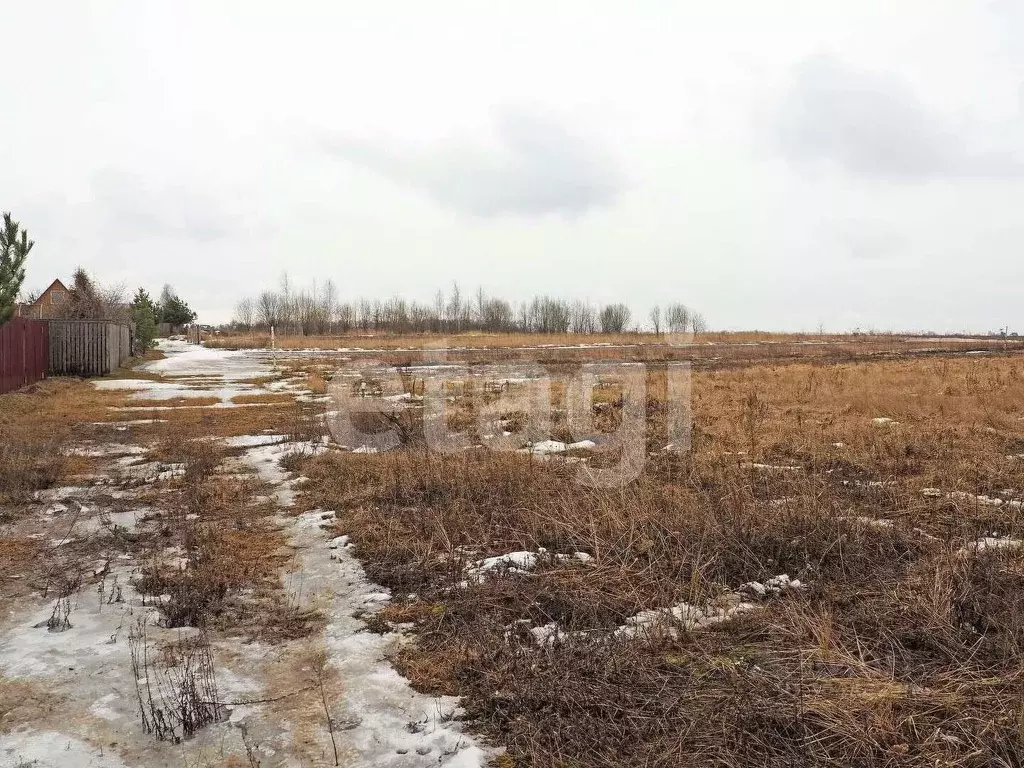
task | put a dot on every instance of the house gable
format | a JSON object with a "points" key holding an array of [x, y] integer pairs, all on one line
{"points": [[54, 294], [48, 304]]}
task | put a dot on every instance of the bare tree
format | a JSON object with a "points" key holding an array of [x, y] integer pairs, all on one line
{"points": [[656, 319], [329, 299], [269, 309], [614, 318], [584, 318], [439, 311], [455, 309], [678, 317], [245, 312]]}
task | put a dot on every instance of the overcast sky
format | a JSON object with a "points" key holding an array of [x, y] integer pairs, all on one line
{"points": [[776, 165]]}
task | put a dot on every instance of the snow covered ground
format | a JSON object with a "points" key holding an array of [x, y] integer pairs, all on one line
{"points": [[83, 675]]}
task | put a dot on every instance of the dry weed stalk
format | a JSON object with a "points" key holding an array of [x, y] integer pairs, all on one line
{"points": [[320, 674], [177, 694]]}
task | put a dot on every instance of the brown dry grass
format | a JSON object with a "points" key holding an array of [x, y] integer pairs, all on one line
{"points": [[25, 703], [903, 649], [36, 424], [480, 340], [234, 554], [392, 342], [267, 398]]}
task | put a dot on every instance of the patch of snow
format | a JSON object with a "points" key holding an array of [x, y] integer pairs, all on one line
{"points": [[27, 651], [691, 617], [547, 634], [546, 447], [146, 389], [874, 522], [253, 441], [984, 501], [392, 723], [48, 749], [992, 542], [519, 562], [776, 585], [688, 616], [868, 483], [102, 708], [124, 425], [96, 450], [884, 421]]}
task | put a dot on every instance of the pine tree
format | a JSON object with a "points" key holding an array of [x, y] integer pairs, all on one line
{"points": [[144, 315], [14, 249], [174, 309]]}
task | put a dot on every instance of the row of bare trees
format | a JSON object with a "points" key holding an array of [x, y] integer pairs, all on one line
{"points": [[317, 310]]}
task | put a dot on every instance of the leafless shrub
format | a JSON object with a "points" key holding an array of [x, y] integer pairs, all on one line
{"points": [[176, 690], [88, 300], [60, 619]]}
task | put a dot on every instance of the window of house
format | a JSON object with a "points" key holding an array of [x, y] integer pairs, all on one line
{"points": [[56, 297]]}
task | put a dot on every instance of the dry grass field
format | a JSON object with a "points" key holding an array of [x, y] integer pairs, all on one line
{"points": [[831, 574], [484, 340], [900, 646]]}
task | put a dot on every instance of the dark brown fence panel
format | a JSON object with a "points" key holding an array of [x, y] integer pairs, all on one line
{"points": [[23, 353], [87, 347]]}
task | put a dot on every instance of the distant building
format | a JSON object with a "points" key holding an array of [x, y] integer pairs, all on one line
{"points": [[47, 306]]}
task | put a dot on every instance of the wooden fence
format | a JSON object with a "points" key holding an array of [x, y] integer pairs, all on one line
{"points": [[88, 347], [23, 358]]}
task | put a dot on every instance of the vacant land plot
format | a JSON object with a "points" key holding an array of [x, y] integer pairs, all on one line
{"points": [[202, 565]]}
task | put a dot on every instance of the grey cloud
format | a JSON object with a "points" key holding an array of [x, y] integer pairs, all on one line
{"points": [[539, 168], [864, 239], [149, 209], [872, 124]]}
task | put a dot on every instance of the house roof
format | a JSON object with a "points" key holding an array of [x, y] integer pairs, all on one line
{"points": [[56, 284]]}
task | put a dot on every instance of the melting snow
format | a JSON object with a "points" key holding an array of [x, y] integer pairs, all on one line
{"points": [[689, 616], [970, 498], [105, 449], [519, 562], [991, 542], [253, 441], [42, 749], [554, 446], [386, 722]]}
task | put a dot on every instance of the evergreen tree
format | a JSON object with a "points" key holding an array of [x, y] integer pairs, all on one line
{"points": [[174, 309], [145, 317], [14, 248]]}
